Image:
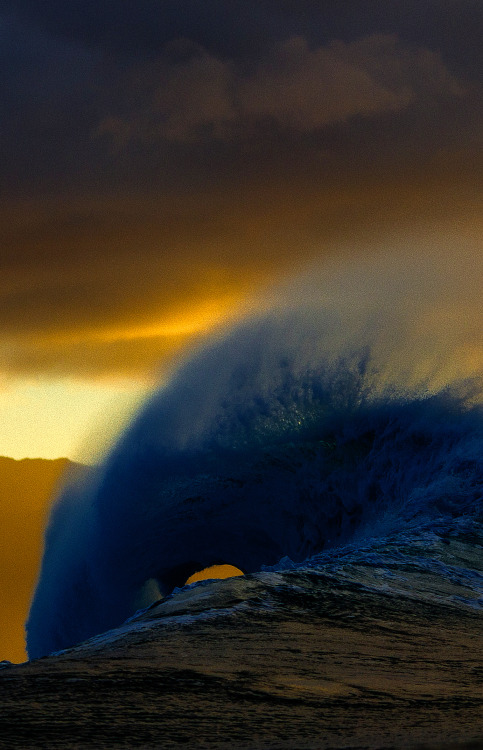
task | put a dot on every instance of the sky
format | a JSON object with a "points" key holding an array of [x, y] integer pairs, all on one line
{"points": [[165, 162]]}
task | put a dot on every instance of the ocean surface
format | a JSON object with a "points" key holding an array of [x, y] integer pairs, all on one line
{"points": [[353, 502]]}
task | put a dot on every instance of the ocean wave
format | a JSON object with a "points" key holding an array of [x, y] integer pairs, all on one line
{"points": [[271, 442]]}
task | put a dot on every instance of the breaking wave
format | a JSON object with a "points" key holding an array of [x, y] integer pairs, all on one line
{"points": [[285, 437]]}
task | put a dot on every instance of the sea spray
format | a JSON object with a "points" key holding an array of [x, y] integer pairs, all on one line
{"points": [[285, 437]]}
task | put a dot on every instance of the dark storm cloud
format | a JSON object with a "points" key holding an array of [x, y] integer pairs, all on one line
{"points": [[294, 87], [243, 27], [160, 154], [143, 28]]}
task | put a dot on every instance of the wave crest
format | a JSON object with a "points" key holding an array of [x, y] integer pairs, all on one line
{"points": [[270, 442]]}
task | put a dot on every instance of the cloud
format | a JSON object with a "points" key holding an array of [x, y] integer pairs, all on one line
{"points": [[161, 157], [306, 89], [179, 98], [126, 312], [295, 86], [244, 28], [88, 358]]}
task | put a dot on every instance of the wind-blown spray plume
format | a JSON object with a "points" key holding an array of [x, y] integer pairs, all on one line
{"points": [[286, 436]]}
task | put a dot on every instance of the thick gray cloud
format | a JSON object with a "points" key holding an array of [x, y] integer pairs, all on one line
{"points": [[74, 71], [242, 28], [158, 157], [294, 86]]}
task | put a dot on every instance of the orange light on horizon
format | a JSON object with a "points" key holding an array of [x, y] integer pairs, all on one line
{"points": [[215, 572], [26, 488]]}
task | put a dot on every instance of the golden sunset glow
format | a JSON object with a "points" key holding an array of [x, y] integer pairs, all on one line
{"points": [[78, 419], [169, 172]]}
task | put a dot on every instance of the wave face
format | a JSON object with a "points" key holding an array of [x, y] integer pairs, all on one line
{"points": [[274, 441]]}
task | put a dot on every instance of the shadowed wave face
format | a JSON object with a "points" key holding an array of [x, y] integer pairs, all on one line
{"points": [[286, 436]]}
